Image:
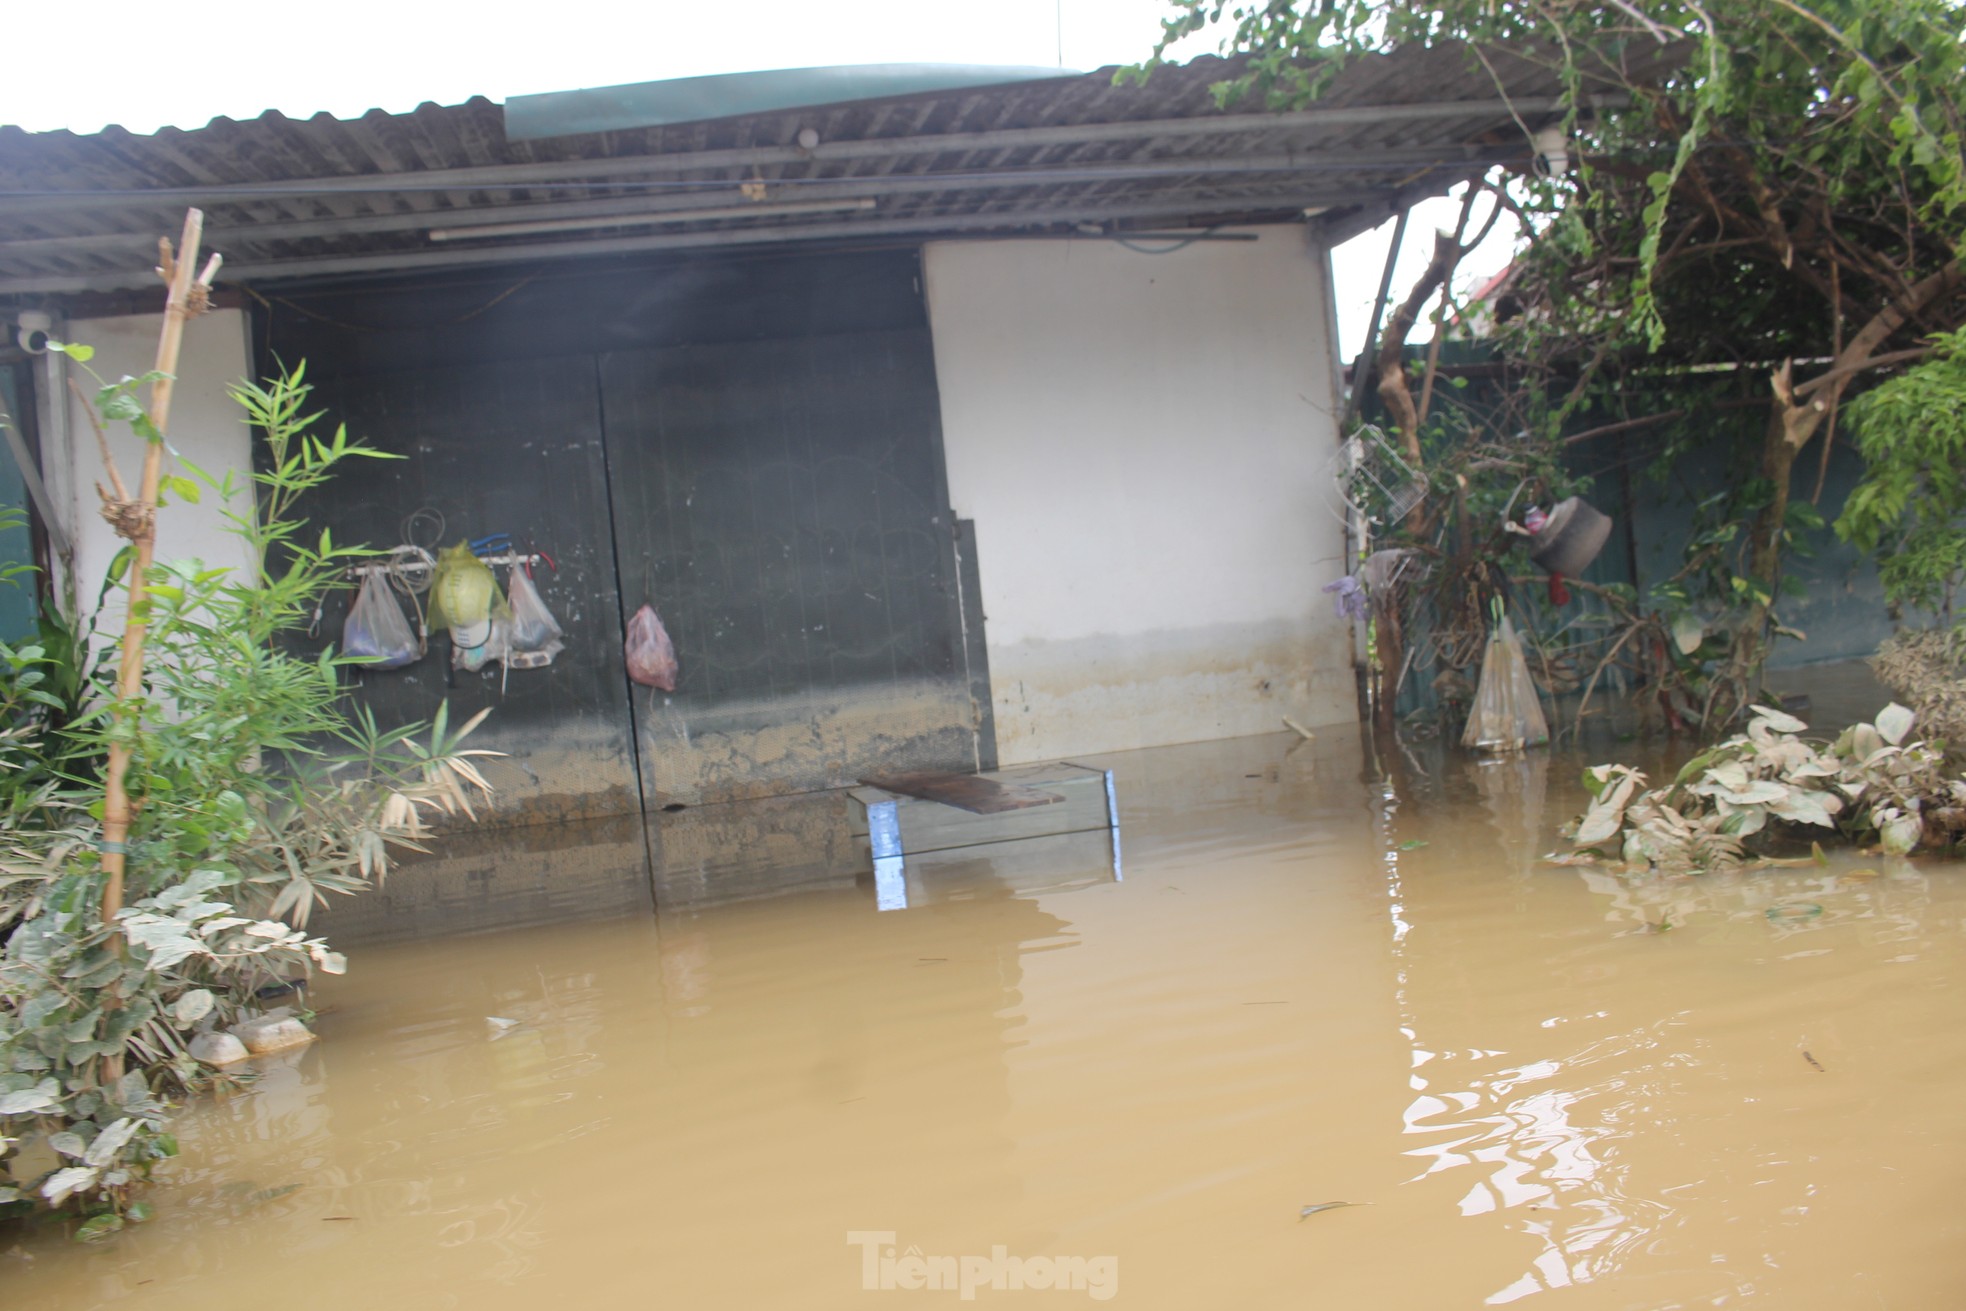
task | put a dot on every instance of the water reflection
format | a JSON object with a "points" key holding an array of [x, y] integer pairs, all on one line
{"points": [[690, 861], [1885, 899], [1622, 1104], [1511, 1120]]}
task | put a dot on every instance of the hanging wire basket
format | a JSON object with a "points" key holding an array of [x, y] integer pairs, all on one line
{"points": [[1374, 479]]}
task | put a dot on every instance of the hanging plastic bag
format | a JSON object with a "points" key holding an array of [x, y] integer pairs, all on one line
{"points": [[464, 598], [651, 657], [1507, 715], [533, 636], [376, 631]]}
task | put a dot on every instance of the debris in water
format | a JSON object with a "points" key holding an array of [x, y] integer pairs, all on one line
{"points": [[1414, 845], [274, 1031], [217, 1049], [1303, 732], [337, 1217], [1865, 873], [498, 1026], [1813, 1061], [1794, 910], [1309, 1211]]}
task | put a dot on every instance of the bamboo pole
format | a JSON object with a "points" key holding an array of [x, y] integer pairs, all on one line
{"points": [[141, 529]]}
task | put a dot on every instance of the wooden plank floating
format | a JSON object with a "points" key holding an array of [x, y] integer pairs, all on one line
{"points": [[896, 823], [979, 794]]}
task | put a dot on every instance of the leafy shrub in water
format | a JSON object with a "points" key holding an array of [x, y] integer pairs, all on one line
{"points": [[1871, 784], [258, 791]]}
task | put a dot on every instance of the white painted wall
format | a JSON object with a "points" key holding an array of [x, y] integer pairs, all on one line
{"points": [[1142, 441], [206, 427]]}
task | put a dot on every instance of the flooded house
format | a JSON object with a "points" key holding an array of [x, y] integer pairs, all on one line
{"points": [[947, 417], [961, 420]]}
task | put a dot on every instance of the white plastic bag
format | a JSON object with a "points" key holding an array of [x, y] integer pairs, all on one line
{"points": [[376, 631], [1507, 715], [533, 636]]}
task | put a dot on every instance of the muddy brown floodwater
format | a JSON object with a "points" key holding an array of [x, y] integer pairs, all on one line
{"points": [[1322, 978]]}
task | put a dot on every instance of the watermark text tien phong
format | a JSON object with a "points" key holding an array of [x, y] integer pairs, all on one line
{"points": [[884, 1268]]}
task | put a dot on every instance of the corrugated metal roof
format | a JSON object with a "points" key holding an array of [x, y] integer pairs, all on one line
{"points": [[722, 95], [325, 197]]}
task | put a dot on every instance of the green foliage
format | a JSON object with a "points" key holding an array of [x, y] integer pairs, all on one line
{"points": [[257, 791], [1773, 165], [1755, 181], [1910, 507]]}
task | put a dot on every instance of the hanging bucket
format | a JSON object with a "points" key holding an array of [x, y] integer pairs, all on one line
{"points": [[1571, 538]]}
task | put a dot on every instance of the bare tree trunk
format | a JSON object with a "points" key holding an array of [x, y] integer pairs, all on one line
{"points": [[1393, 386], [1742, 672], [1390, 648]]}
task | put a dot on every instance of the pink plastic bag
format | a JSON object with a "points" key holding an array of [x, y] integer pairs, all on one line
{"points": [[651, 657]]}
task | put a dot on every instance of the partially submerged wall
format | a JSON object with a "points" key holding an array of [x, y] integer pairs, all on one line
{"points": [[1142, 442], [748, 444]]}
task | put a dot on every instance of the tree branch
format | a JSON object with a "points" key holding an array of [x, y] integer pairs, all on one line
{"points": [[1884, 361], [1801, 417], [1393, 388]]}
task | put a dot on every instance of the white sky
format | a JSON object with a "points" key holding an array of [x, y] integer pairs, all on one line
{"points": [[81, 68]]}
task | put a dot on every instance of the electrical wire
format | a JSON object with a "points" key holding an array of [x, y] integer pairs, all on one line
{"points": [[1137, 248], [408, 528]]}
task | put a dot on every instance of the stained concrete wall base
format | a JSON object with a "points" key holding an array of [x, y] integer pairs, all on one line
{"points": [[1118, 693], [1144, 443]]}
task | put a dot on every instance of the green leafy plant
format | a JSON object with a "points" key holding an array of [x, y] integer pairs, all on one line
{"points": [[1910, 507], [1725, 804], [257, 791]]}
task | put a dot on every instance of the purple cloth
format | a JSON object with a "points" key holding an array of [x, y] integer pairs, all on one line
{"points": [[1348, 597]]}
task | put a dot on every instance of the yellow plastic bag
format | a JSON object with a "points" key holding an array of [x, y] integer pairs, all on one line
{"points": [[464, 596]]}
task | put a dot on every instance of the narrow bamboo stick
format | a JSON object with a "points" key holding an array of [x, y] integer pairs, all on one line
{"points": [[181, 274]]}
